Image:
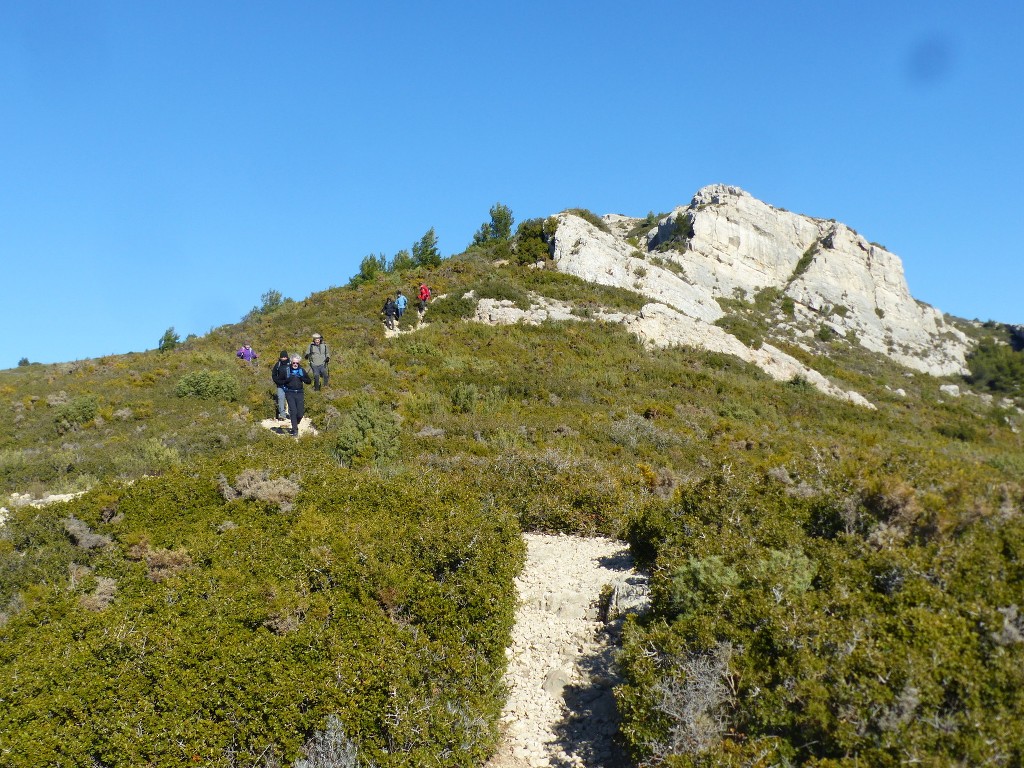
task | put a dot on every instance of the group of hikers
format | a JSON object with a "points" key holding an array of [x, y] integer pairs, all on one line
{"points": [[290, 377], [394, 308]]}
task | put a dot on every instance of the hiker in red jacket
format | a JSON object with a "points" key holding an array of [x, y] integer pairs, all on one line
{"points": [[424, 297]]}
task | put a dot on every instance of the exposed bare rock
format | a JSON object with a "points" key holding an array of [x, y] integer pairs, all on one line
{"points": [[583, 250], [726, 243], [82, 535]]}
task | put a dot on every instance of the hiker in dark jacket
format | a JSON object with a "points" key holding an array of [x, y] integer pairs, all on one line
{"points": [[280, 368], [292, 381], [390, 312], [318, 356]]}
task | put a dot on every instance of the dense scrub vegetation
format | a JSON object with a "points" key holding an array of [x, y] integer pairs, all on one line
{"points": [[191, 618], [832, 584]]}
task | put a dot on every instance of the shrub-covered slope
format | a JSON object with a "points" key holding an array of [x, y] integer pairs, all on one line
{"points": [[833, 584]]}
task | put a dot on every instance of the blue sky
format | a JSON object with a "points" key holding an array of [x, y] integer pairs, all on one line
{"points": [[166, 163]]}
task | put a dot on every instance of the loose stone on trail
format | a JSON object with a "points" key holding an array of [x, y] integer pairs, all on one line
{"points": [[560, 710]]}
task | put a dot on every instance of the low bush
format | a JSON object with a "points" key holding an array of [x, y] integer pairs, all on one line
{"points": [[76, 413], [840, 647], [743, 329], [368, 434], [375, 609], [502, 290], [450, 308], [997, 367], [590, 217], [208, 385]]}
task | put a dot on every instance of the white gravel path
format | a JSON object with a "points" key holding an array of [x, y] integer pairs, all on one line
{"points": [[560, 710]]}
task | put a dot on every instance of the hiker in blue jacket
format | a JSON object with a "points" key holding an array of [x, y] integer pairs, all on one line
{"points": [[292, 380], [400, 304]]}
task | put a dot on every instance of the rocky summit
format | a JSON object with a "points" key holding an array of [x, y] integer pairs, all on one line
{"points": [[726, 244]]}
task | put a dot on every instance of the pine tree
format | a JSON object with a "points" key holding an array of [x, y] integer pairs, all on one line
{"points": [[169, 340], [425, 252], [498, 229]]}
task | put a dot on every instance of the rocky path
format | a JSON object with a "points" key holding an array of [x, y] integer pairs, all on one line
{"points": [[283, 426], [560, 710]]}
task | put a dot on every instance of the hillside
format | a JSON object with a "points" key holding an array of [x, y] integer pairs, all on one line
{"points": [[832, 582]]}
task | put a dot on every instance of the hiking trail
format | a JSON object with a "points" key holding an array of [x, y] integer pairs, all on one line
{"points": [[560, 710]]}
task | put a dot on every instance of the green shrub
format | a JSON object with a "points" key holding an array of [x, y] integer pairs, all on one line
{"points": [[825, 333], [380, 610], [959, 430], [368, 434], [591, 217], [743, 329], [208, 385], [465, 397], [828, 647], [700, 584], [997, 367], [76, 413], [502, 290], [804, 263], [766, 298], [450, 308], [531, 242]]}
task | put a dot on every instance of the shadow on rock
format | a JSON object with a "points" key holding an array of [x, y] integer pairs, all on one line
{"points": [[588, 735]]}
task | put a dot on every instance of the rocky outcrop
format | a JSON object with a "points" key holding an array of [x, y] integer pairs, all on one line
{"points": [[727, 244], [662, 326]]}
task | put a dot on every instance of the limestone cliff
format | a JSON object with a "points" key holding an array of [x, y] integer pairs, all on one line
{"points": [[727, 244]]}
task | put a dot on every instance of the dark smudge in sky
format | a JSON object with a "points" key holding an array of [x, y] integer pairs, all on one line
{"points": [[930, 60]]}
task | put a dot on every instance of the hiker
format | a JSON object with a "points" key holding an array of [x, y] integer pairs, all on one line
{"points": [[390, 312], [424, 297], [246, 353], [401, 302], [318, 356], [292, 380], [280, 368]]}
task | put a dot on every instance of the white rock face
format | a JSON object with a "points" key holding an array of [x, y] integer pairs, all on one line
{"points": [[583, 250], [730, 244]]}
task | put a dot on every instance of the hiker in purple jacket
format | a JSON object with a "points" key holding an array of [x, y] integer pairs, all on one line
{"points": [[246, 353]]}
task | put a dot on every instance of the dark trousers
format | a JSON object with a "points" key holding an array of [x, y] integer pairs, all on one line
{"points": [[296, 407], [319, 372]]}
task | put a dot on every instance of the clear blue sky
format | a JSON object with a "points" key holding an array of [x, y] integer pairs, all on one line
{"points": [[165, 163]]}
